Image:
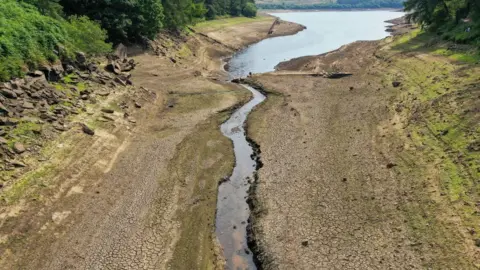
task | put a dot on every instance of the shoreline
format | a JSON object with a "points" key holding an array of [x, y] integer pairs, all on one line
{"points": [[273, 11]]}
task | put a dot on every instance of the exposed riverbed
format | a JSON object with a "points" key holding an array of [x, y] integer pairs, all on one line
{"points": [[326, 31]]}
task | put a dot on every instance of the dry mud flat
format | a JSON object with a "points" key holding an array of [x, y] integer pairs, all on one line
{"points": [[141, 197], [343, 184]]}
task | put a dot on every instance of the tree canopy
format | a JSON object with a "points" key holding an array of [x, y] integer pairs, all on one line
{"points": [[34, 32], [457, 20]]}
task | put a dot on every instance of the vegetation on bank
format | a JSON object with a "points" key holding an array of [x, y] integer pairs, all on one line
{"points": [[456, 20], [339, 4], [40, 32]]}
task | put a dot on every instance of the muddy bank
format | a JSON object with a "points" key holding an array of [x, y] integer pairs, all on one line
{"points": [[141, 197], [340, 185]]}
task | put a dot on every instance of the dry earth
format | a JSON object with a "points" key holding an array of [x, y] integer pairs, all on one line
{"points": [[141, 196], [343, 185]]}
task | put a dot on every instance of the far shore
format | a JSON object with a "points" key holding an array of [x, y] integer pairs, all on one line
{"points": [[268, 11]]}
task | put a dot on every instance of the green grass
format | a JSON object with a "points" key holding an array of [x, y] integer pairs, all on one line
{"points": [[441, 122], [226, 22]]}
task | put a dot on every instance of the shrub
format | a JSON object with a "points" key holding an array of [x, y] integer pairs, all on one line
{"points": [[250, 10], [28, 38]]}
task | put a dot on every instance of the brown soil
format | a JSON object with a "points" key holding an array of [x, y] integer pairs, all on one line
{"points": [[338, 190], [142, 195]]}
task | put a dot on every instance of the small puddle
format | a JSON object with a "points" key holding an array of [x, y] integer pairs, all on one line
{"points": [[232, 208]]}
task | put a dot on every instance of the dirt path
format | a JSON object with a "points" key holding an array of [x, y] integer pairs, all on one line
{"points": [[336, 190], [141, 198]]}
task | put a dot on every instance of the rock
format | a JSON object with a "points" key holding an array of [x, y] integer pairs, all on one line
{"points": [[8, 93], [120, 81], [121, 51], [81, 57], [3, 141], [3, 109], [173, 60], [103, 93], [69, 69], [114, 67], [396, 84], [106, 110], [131, 120], [8, 121], [92, 67], [28, 105], [87, 130], [305, 243], [138, 105], [351, 88], [107, 117], [477, 242], [36, 74], [18, 164], [18, 148], [391, 165]]}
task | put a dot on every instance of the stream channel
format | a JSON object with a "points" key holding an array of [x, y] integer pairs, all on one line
{"points": [[325, 32]]}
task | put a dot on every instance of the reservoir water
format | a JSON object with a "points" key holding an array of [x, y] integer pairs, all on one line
{"points": [[326, 31]]}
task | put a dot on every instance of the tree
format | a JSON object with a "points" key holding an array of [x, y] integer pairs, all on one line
{"points": [[250, 10]]}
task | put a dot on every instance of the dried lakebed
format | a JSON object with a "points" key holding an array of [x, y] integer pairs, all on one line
{"points": [[232, 218]]}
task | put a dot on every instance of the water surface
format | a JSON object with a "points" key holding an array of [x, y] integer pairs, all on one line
{"points": [[326, 31]]}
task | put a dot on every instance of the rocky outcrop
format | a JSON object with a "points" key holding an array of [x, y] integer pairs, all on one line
{"points": [[39, 105]]}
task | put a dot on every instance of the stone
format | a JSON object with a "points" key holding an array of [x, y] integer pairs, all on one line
{"points": [[28, 105], [8, 93], [18, 148], [138, 105], [107, 117], [36, 73], [396, 84], [69, 69], [305, 243], [477, 242], [92, 67], [18, 164], [87, 130], [81, 57], [106, 110], [3, 109], [121, 51], [391, 165], [120, 81], [3, 140]]}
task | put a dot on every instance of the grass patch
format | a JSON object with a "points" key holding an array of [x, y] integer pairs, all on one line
{"points": [[227, 22]]}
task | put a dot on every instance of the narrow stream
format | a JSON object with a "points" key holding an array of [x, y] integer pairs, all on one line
{"points": [[232, 208], [326, 31]]}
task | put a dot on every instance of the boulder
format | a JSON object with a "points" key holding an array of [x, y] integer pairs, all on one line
{"points": [[106, 110], [8, 93], [396, 84], [114, 67], [81, 57], [87, 130], [120, 51], [18, 148], [28, 105], [36, 74]]}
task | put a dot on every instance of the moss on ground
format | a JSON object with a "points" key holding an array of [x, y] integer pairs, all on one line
{"points": [[438, 104]]}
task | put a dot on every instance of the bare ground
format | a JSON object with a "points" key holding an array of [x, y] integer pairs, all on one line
{"points": [[344, 185], [139, 196]]}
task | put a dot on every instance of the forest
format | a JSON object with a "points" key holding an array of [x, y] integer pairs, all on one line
{"points": [[340, 4], [456, 20], [36, 32]]}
